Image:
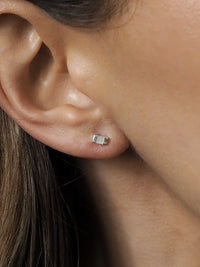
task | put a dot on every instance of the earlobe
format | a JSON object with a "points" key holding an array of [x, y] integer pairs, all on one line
{"points": [[37, 91]]}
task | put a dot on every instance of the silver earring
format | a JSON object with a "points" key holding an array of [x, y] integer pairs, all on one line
{"points": [[100, 140]]}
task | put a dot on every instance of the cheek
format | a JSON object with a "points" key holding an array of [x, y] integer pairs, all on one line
{"points": [[165, 65], [157, 97], [158, 51], [156, 62], [164, 48], [158, 68]]}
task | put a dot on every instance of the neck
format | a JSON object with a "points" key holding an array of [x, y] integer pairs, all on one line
{"points": [[144, 222]]}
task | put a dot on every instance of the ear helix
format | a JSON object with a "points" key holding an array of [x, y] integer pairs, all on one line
{"points": [[100, 140]]}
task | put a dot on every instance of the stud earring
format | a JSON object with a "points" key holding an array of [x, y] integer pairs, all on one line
{"points": [[100, 140]]}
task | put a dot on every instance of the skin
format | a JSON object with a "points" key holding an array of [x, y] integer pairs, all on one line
{"points": [[145, 224], [151, 88], [138, 83]]}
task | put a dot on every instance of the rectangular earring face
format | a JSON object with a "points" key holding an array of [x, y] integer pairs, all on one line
{"points": [[100, 140]]}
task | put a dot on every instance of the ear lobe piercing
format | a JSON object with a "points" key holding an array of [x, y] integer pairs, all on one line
{"points": [[100, 140]]}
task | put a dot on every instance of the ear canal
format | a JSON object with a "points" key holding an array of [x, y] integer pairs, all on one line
{"points": [[40, 66]]}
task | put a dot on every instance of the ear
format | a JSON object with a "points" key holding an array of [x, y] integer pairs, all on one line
{"points": [[36, 89]]}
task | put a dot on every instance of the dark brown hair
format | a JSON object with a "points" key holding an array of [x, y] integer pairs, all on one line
{"points": [[82, 13], [44, 212]]}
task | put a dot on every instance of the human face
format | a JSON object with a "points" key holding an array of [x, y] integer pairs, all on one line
{"points": [[146, 72]]}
